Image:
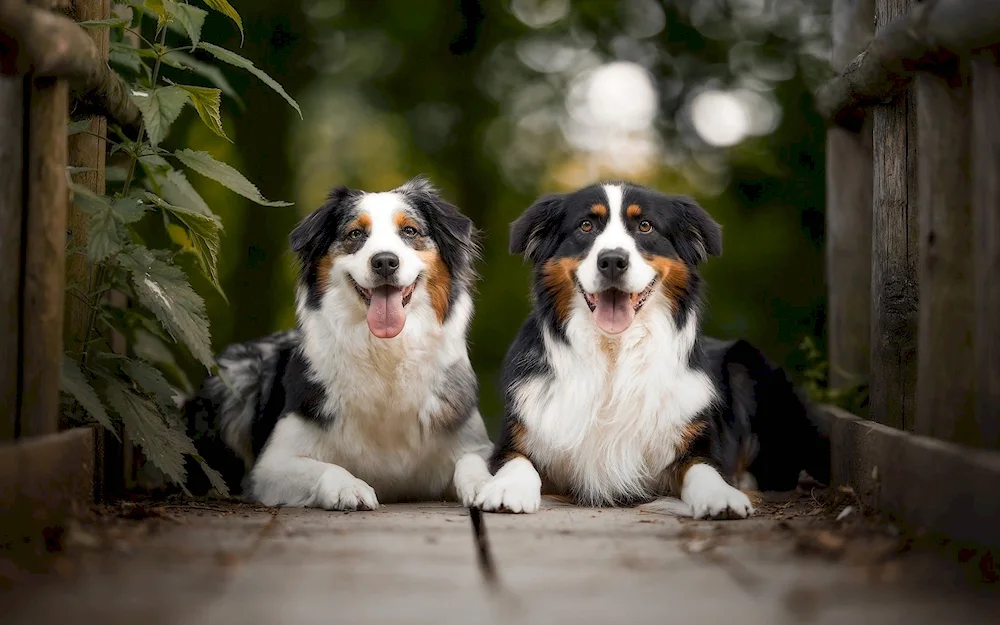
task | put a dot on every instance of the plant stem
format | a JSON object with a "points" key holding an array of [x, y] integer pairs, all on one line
{"points": [[137, 147]]}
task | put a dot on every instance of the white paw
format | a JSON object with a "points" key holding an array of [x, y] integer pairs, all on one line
{"points": [[515, 488], [339, 490], [710, 496], [471, 474]]}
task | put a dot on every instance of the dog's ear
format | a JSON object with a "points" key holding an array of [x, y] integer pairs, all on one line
{"points": [[527, 232], [700, 236], [314, 235], [452, 232]]}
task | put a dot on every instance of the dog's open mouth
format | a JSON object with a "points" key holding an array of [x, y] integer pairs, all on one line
{"points": [[386, 307], [614, 310]]}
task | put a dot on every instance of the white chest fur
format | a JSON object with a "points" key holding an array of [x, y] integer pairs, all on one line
{"points": [[609, 419]]}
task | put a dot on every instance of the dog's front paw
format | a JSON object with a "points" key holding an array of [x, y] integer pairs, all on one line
{"points": [[515, 488], [710, 496], [471, 474], [339, 490]]}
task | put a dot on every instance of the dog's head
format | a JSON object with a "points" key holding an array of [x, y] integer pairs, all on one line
{"points": [[609, 251], [385, 253]]}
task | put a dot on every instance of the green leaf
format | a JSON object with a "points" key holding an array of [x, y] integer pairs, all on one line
{"points": [[77, 127], [151, 348], [204, 234], [164, 290], [207, 102], [176, 189], [204, 164], [163, 445], [214, 477], [158, 8], [75, 384], [236, 60], [129, 210], [103, 238], [222, 6], [151, 381], [192, 19], [114, 22], [160, 108], [184, 61]]}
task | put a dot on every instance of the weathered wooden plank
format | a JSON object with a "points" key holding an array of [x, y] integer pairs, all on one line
{"points": [[44, 256], [894, 251], [923, 36], [938, 485], [986, 217], [86, 150], [11, 208], [945, 367], [849, 215], [44, 480]]}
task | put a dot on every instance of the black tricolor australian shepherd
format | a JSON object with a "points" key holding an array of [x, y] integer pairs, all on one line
{"points": [[372, 398], [612, 396]]}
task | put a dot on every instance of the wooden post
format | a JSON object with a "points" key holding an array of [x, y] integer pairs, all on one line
{"points": [[895, 232], [945, 367], [11, 206], [849, 214], [86, 150], [986, 219], [44, 255]]}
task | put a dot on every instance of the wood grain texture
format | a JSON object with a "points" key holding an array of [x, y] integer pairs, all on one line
{"points": [[945, 364], [11, 210], [86, 150], [895, 231], [849, 215], [44, 257], [986, 220]]}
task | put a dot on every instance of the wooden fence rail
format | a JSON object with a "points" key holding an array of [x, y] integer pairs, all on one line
{"points": [[924, 93]]}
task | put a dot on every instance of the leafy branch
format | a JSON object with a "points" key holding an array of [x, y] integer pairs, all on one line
{"points": [[140, 389]]}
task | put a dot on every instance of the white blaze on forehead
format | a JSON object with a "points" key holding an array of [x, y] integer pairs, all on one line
{"points": [[616, 235], [382, 209]]}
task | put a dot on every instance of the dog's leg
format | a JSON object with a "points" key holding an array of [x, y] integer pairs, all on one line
{"points": [[471, 474], [284, 475], [709, 495], [516, 487]]}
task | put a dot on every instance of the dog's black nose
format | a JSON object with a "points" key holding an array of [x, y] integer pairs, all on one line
{"points": [[612, 263], [385, 264]]}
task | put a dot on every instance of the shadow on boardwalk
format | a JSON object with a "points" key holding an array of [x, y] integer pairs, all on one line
{"points": [[212, 562]]}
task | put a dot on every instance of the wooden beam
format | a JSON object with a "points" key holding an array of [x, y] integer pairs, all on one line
{"points": [[849, 216], [945, 405], [46, 198], [52, 45], [926, 34], [927, 483], [86, 150], [11, 207], [894, 289], [986, 219]]}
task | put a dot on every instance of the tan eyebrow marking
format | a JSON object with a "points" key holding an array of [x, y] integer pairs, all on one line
{"points": [[633, 211]]}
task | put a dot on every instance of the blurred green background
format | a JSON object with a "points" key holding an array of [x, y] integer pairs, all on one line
{"points": [[500, 101]]}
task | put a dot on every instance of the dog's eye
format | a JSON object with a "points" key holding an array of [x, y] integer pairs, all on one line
{"points": [[355, 234], [410, 231], [645, 226], [586, 225]]}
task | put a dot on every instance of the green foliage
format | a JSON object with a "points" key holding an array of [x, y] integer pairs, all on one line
{"points": [[815, 371], [135, 256]]}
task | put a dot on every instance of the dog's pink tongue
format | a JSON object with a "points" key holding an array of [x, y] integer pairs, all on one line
{"points": [[385, 313], [614, 311]]}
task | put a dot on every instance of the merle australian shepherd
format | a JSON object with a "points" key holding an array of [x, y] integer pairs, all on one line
{"points": [[372, 398], [612, 396]]}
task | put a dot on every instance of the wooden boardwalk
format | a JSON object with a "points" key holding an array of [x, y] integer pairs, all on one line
{"points": [[210, 563]]}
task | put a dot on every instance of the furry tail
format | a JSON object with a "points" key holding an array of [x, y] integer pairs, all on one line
{"points": [[228, 417], [770, 433]]}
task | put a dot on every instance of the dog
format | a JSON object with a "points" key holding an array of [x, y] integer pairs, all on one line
{"points": [[612, 396], [372, 397]]}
